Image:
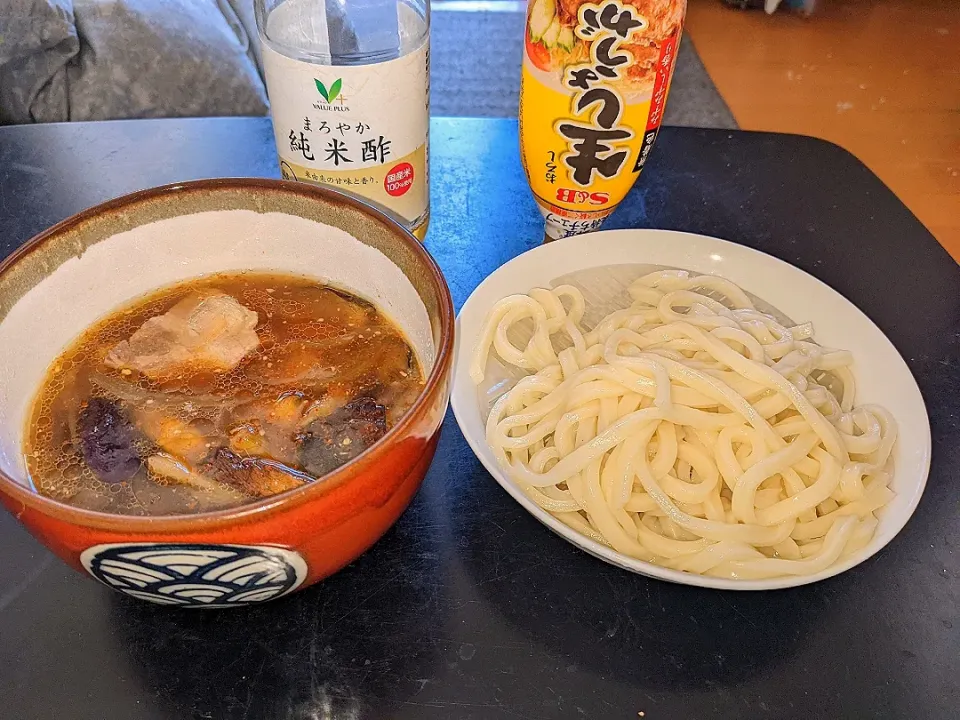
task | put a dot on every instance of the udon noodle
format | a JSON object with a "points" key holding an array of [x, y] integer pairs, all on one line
{"points": [[689, 429]]}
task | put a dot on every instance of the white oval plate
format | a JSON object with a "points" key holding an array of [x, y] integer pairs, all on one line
{"points": [[882, 375]]}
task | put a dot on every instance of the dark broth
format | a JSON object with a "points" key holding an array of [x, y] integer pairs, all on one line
{"points": [[330, 376]]}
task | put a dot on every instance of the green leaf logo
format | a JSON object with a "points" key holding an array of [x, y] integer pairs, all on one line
{"points": [[331, 94], [335, 89], [322, 89]]}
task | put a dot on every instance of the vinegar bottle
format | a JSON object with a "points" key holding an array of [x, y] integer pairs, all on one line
{"points": [[348, 82]]}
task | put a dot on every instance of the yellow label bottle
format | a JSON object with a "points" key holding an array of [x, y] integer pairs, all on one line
{"points": [[594, 86]]}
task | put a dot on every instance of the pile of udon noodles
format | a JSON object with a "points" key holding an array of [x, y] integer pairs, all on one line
{"points": [[691, 432]]}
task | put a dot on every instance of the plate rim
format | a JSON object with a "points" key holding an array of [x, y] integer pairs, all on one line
{"points": [[608, 554]]}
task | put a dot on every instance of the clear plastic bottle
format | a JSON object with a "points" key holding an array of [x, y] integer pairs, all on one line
{"points": [[349, 91]]}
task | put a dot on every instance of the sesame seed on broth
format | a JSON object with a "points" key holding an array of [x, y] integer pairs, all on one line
{"points": [[328, 376]]}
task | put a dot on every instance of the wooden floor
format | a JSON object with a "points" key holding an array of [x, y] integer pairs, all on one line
{"points": [[881, 78]]}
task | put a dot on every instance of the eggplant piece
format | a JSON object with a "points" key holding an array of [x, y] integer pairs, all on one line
{"points": [[368, 307], [252, 476], [334, 440], [173, 470], [108, 440]]}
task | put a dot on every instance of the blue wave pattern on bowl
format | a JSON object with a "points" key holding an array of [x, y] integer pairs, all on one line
{"points": [[189, 575]]}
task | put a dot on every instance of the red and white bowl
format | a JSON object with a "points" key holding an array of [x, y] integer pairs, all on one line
{"points": [[66, 278]]}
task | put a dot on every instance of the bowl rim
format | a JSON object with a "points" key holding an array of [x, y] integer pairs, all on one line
{"points": [[247, 512], [464, 404]]}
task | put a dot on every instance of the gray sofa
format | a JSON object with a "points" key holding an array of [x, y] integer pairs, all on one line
{"points": [[63, 60], [66, 60]]}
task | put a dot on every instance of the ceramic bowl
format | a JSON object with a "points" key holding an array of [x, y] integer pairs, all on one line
{"points": [[66, 278], [882, 376]]}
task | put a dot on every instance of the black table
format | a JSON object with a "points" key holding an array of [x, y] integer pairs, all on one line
{"points": [[469, 608]]}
